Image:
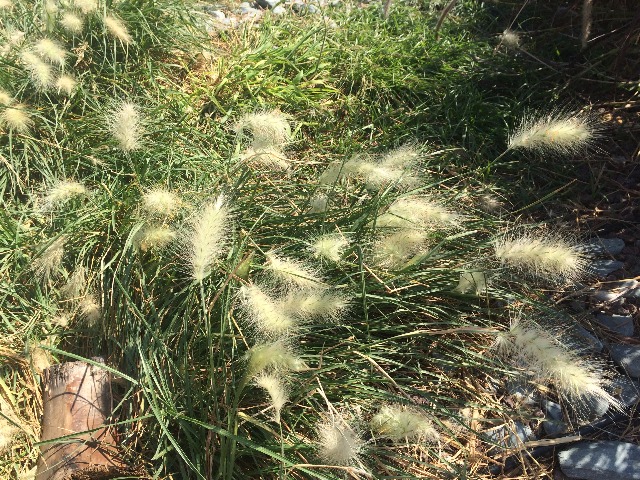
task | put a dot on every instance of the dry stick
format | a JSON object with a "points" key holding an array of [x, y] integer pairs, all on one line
{"points": [[443, 15], [587, 19]]}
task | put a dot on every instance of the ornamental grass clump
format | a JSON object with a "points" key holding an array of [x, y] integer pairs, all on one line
{"points": [[208, 237], [556, 133], [545, 257], [49, 261], [270, 132], [575, 378], [399, 422]]}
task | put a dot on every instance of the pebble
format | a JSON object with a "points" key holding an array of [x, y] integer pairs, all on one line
{"points": [[279, 10], [605, 296], [555, 424], [605, 246], [626, 390], [217, 14], [304, 9], [602, 268], [628, 357], [594, 343], [510, 436], [271, 4], [620, 324], [601, 460]]}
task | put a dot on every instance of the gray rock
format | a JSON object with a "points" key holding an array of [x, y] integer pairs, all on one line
{"points": [[604, 296], [594, 343], [279, 10], [602, 268], [605, 246], [628, 357], [217, 14], [626, 390], [271, 4], [304, 9], [552, 410], [631, 294], [510, 436], [554, 424], [601, 460], [621, 324]]}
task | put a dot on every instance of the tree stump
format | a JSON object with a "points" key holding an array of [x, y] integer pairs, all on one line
{"points": [[77, 402]]}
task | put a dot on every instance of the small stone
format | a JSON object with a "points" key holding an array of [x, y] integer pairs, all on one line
{"points": [[626, 390], [510, 436], [304, 9], [601, 460], [271, 4], [628, 357], [279, 10], [217, 14], [600, 296], [605, 246], [602, 268], [632, 294], [593, 342], [554, 424], [621, 324]]}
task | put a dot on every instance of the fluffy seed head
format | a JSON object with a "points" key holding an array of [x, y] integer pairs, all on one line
{"points": [[76, 284], [8, 429], [330, 246], [558, 132], [269, 157], [266, 314], [475, 282], [276, 356], [71, 22], [397, 422], [510, 39], [393, 251], [544, 257], [61, 192], [49, 261], [125, 124], [312, 304], [268, 130], [153, 237], [51, 51], [89, 309], [417, 212], [16, 118], [208, 237], [6, 4], [41, 73], [161, 203], [5, 99], [276, 390], [573, 377], [118, 29], [292, 273], [66, 84], [86, 6], [338, 443], [403, 157]]}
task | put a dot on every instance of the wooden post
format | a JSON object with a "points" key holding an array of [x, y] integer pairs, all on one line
{"points": [[77, 398]]}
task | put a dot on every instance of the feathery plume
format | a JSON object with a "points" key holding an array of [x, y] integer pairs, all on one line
{"points": [[5, 99], [6, 4], [510, 39], [208, 236], [398, 422], [310, 304], [16, 118], [276, 356], [572, 376], [71, 22], [396, 249], [268, 129], [160, 202], [276, 390], [472, 281], [545, 257], [125, 124], [51, 51], [76, 284], [153, 237], [330, 246], [557, 132], [338, 442], [86, 6], [264, 313], [8, 429], [118, 29], [49, 259], [89, 309], [292, 273], [41, 73], [402, 157], [65, 84], [415, 211], [269, 157], [61, 192]]}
